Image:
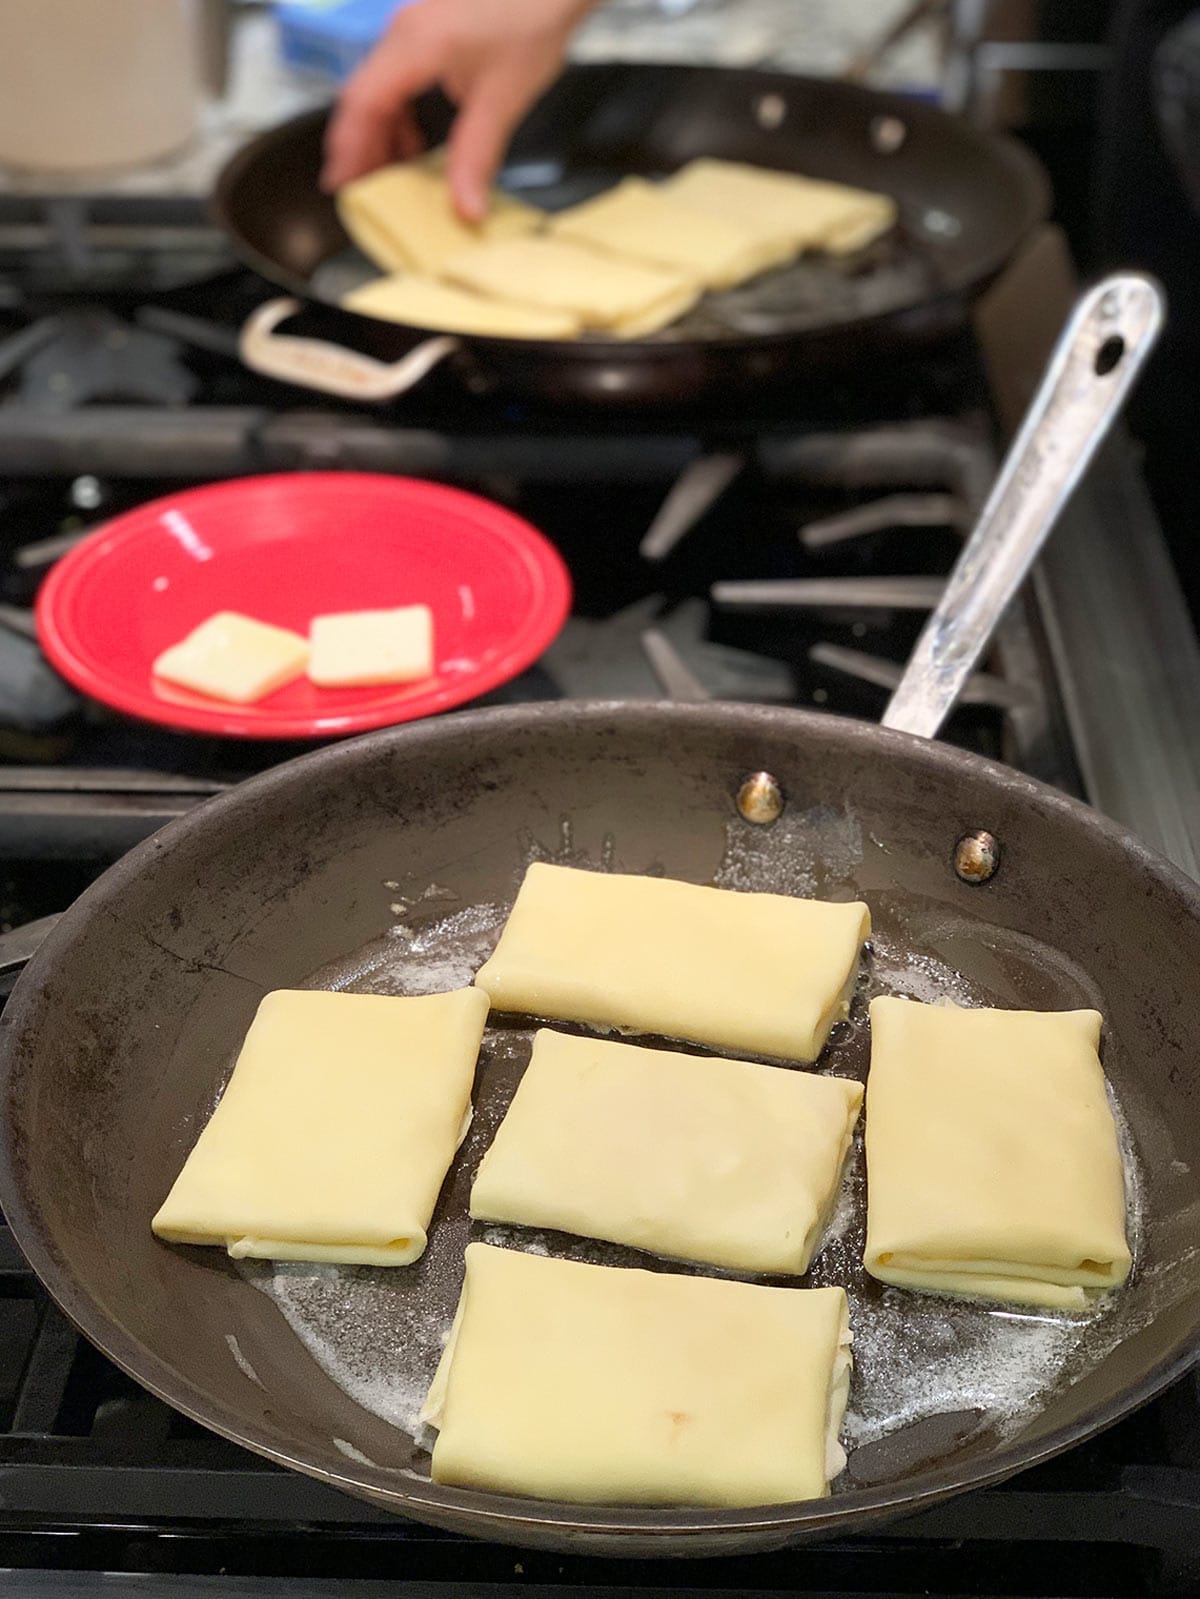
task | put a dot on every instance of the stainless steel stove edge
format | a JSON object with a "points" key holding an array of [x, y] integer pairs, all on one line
{"points": [[1126, 657]]}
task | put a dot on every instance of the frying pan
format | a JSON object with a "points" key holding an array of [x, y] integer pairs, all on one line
{"points": [[966, 200], [353, 863]]}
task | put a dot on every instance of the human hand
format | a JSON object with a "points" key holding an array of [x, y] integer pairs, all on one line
{"points": [[493, 58]]}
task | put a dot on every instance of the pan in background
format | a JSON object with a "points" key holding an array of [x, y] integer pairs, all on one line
{"points": [[967, 199]]}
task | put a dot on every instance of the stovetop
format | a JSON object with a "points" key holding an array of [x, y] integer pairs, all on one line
{"points": [[110, 398], [703, 547]]}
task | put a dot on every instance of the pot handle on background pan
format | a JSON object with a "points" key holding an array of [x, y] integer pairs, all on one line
{"points": [[19, 946], [1098, 356], [318, 364]]}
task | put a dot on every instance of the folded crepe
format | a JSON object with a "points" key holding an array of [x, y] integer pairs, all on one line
{"points": [[814, 215], [763, 974], [336, 1130], [696, 1158], [425, 303], [643, 222], [993, 1168], [402, 217], [625, 298], [602, 1386]]}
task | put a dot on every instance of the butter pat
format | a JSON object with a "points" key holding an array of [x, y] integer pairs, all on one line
{"points": [[352, 649], [336, 1130], [763, 974], [233, 657]]}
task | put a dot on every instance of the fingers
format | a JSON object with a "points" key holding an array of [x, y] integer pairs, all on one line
{"points": [[494, 76], [491, 110], [372, 123], [407, 139]]}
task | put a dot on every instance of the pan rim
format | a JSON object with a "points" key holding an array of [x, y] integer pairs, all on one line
{"points": [[1005, 150], [507, 1518]]}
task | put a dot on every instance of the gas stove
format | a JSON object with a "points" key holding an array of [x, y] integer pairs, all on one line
{"points": [[786, 555], [686, 534]]}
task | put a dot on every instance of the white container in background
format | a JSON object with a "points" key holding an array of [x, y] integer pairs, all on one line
{"points": [[92, 84]]}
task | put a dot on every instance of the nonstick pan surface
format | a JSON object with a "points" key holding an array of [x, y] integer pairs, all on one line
{"points": [[389, 863], [966, 199]]}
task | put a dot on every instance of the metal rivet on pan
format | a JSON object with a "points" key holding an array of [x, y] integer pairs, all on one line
{"points": [[771, 110], [888, 134], [86, 493], [760, 799], [976, 857], [941, 225]]}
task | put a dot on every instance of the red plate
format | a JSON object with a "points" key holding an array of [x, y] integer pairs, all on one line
{"points": [[285, 549]]}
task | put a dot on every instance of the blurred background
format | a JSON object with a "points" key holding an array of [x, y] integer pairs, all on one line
{"points": [[1103, 92]]}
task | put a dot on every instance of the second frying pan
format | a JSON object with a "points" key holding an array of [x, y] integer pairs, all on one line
{"points": [[966, 199]]}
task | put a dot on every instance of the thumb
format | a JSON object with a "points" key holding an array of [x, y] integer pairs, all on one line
{"points": [[497, 101]]}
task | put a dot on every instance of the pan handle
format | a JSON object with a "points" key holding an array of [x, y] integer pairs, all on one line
{"points": [[19, 946], [1097, 358], [318, 364]]}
